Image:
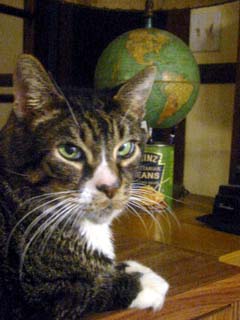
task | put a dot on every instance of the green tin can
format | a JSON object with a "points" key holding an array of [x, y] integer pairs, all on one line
{"points": [[156, 169]]}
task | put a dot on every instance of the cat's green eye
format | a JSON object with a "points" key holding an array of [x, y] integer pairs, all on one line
{"points": [[70, 152], [126, 150]]}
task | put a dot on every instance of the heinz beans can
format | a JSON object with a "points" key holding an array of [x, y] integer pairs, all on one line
{"points": [[156, 169]]}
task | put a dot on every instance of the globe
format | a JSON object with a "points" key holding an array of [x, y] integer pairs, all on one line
{"points": [[177, 81]]}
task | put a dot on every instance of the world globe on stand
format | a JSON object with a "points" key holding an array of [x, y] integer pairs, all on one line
{"points": [[177, 81]]}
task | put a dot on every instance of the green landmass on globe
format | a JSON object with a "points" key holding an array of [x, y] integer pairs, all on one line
{"points": [[177, 82]]}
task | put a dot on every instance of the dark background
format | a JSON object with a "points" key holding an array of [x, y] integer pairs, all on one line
{"points": [[71, 38]]}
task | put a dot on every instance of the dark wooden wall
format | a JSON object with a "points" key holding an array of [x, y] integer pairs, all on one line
{"points": [[234, 174]]}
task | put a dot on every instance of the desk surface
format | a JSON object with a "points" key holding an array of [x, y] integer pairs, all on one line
{"points": [[199, 284], [187, 255], [185, 233]]}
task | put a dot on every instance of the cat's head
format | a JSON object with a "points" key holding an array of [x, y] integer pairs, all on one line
{"points": [[82, 149]]}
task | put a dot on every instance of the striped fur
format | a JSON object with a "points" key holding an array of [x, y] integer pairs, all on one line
{"points": [[56, 250]]}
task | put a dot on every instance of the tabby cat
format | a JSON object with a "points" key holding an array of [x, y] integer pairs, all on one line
{"points": [[66, 171]]}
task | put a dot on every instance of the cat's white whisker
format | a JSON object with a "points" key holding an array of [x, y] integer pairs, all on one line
{"points": [[156, 207], [42, 225], [50, 195], [138, 204], [55, 220], [77, 213], [26, 216], [171, 213], [73, 221], [38, 233], [78, 216], [162, 207], [43, 215], [55, 223], [133, 210]]}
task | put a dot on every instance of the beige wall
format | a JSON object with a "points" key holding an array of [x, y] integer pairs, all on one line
{"points": [[140, 4], [229, 34], [208, 140], [11, 45], [14, 3], [209, 124]]}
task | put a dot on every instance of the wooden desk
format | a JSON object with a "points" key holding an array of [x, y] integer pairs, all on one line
{"points": [[200, 286], [186, 253], [186, 233]]}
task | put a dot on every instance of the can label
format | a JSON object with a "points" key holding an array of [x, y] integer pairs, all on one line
{"points": [[156, 169]]}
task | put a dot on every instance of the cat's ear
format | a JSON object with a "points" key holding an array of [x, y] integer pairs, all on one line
{"points": [[34, 91], [133, 95]]}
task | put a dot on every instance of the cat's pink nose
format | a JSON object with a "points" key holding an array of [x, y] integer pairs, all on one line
{"points": [[109, 190]]}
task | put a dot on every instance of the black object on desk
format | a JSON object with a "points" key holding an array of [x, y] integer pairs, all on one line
{"points": [[226, 210]]}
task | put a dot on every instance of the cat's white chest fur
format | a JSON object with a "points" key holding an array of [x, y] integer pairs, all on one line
{"points": [[98, 237]]}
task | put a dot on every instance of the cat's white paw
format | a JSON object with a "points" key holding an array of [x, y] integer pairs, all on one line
{"points": [[154, 287]]}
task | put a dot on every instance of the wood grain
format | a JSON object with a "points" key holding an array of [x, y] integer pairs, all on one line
{"points": [[231, 258], [230, 312], [199, 284], [180, 228]]}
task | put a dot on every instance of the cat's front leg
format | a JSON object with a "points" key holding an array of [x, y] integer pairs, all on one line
{"points": [[153, 287], [125, 285]]}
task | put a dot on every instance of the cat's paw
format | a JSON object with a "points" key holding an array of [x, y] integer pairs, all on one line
{"points": [[154, 287]]}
